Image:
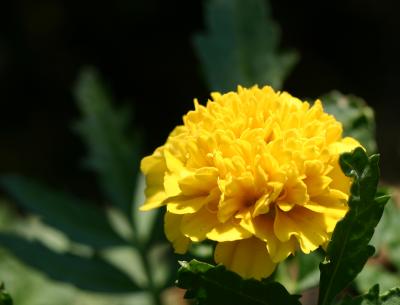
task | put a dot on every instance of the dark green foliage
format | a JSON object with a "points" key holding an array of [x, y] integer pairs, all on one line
{"points": [[241, 46], [80, 221], [391, 297], [214, 285], [348, 251], [90, 273], [357, 118], [5, 298], [113, 153]]}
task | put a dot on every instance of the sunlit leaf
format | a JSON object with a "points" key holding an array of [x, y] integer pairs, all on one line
{"points": [[349, 249], [214, 285], [82, 222], [240, 46], [149, 224], [92, 273]]}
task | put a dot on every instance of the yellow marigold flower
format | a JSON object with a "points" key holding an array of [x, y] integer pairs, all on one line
{"points": [[256, 171]]}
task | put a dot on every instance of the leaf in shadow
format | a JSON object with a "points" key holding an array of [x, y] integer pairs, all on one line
{"points": [[241, 46], [113, 151], [82, 222], [357, 118], [92, 274]]}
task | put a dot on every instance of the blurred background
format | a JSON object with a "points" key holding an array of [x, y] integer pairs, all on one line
{"points": [[144, 50], [155, 57]]}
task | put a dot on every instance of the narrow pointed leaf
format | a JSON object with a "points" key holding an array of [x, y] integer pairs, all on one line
{"points": [[349, 249], [92, 274], [241, 46], [113, 152], [214, 285], [82, 222]]}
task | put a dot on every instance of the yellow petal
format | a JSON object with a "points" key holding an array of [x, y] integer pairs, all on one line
{"points": [[345, 145], [191, 204], [285, 206], [153, 165], [295, 193], [228, 231], [339, 180], [262, 205], [249, 258], [263, 228], [173, 164], [171, 185], [307, 226], [338, 210], [282, 249], [155, 198], [174, 234], [185, 205], [197, 225], [315, 179], [154, 168], [227, 208], [200, 182]]}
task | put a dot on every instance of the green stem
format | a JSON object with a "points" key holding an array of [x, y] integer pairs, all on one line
{"points": [[152, 288]]}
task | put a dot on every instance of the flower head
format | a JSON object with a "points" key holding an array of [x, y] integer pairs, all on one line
{"points": [[256, 171]]}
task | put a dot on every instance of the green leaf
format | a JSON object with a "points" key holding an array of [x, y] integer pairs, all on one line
{"points": [[391, 297], [28, 286], [357, 118], [149, 224], [348, 251], [389, 237], [80, 221], [214, 285], [241, 46], [113, 153], [5, 298], [374, 273], [387, 229], [299, 272], [92, 274], [308, 273]]}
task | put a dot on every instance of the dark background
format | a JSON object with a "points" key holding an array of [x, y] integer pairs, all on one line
{"points": [[143, 50]]}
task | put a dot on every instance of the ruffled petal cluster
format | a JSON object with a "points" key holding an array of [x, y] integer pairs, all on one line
{"points": [[254, 170]]}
